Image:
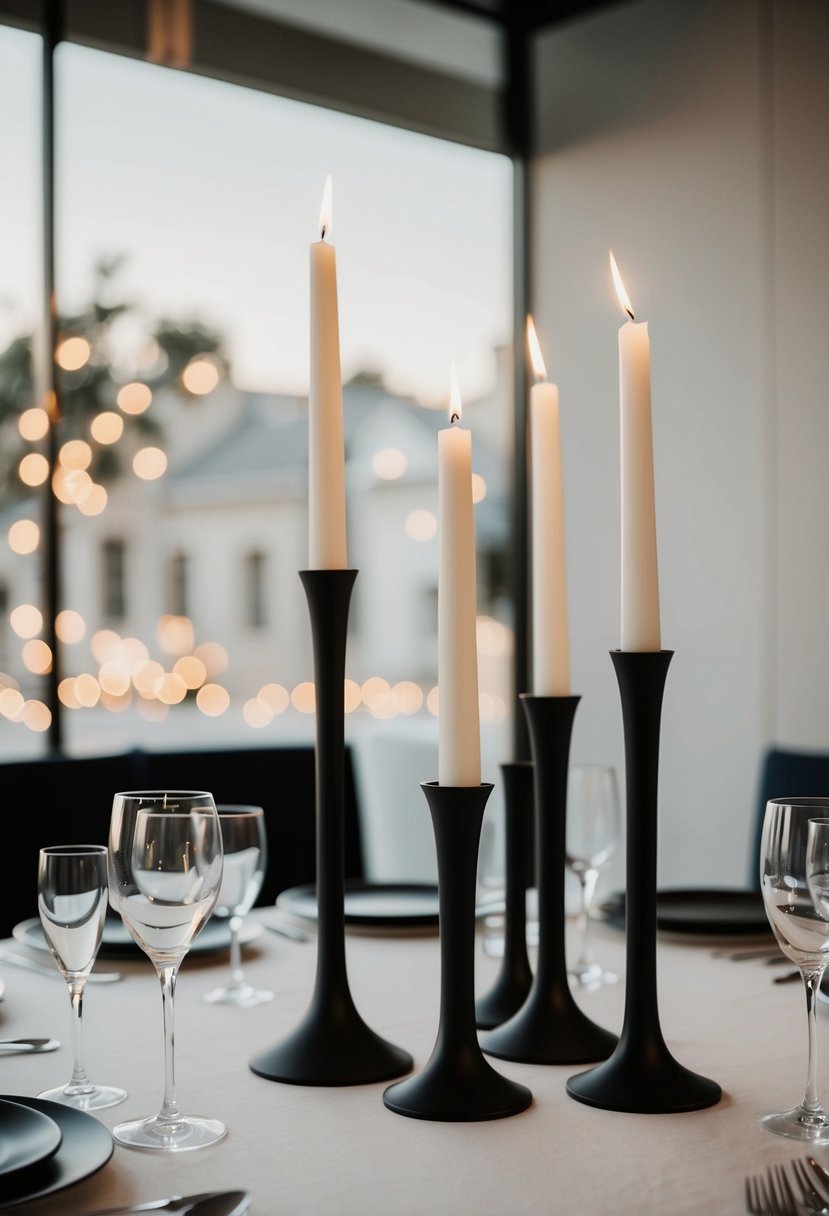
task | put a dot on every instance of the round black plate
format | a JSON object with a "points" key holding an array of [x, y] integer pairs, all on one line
{"points": [[117, 943], [372, 905], [716, 911], [85, 1147], [26, 1136]]}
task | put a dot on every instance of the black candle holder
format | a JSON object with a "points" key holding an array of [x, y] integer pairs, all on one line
{"points": [[642, 1076], [457, 1084], [549, 1028], [332, 1045], [515, 977]]}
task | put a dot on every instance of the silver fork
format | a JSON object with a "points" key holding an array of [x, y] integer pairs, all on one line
{"points": [[784, 1202], [757, 1198], [812, 1199]]}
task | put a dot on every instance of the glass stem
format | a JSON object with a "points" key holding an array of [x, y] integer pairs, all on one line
{"points": [[237, 979], [811, 981], [169, 1107], [587, 881], [80, 1081]]}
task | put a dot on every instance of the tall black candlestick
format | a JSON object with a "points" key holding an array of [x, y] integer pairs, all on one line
{"points": [[549, 1028], [457, 1084], [642, 1075], [332, 1045]]}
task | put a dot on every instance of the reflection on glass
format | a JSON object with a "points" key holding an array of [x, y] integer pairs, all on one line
{"points": [[593, 824], [245, 859], [165, 869], [789, 855], [72, 902]]}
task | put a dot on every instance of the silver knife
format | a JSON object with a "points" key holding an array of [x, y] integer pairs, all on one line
{"points": [[290, 931], [9, 1047], [12, 959], [208, 1203]]}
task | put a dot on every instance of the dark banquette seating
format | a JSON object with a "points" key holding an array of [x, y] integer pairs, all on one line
{"points": [[785, 773], [68, 800]]}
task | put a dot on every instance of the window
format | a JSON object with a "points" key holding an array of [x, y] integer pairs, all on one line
{"points": [[256, 615], [178, 598], [185, 379], [114, 553]]}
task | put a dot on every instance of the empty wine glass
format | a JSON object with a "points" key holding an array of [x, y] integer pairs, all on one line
{"points": [[165, 867], [245, 859], [72, 902], [593, 821], [787, 856]]}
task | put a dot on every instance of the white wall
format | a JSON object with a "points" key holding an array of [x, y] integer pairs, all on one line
{"points": [[799, 107], [692, 138]]}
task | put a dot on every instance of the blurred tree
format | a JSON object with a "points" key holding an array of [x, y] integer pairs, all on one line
{"points": [[93, 387]]}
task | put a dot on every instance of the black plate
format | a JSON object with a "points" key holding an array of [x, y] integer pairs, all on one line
{"points": [[721, 912], [85, 1147], [372, 905], [117, 943], [26, 1136]]}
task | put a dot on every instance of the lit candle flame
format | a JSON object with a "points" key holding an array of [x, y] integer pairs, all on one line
{"points": [[539, 370], [455, 408], [327, 208], [620, 287]]}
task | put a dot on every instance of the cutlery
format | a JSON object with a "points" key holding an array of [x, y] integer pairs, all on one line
{"points": [[820, 1173], [774, 1198], [781, 1193], [208, 1203], [757, 1198], [813, 1201], [289, 931], [9, 1047], [749, 954], [12, 959]]}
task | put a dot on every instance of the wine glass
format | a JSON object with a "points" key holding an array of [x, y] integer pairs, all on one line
{"points": [[787, 855], [72, 902], [165, 870], [593, 821], [245, 859]]}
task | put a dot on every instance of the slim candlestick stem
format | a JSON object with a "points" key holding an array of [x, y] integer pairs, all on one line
{"points": [[457, 1084], [549, 1028], [642, 1075], [332, 1045]]}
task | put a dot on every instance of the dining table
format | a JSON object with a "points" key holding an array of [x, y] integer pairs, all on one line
{"points": [[319, 1151]]}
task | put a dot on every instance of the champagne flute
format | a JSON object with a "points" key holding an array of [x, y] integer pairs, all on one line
{"points": [[593, 824], [245, 859], [788, 854], [72, 902], [165, 866]]}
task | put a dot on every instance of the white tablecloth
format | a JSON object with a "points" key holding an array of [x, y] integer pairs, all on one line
{"points": [[339, 1152]]}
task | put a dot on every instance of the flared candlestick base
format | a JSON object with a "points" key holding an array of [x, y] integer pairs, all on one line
{"points": [[644, 1079], [550, 1029], [453, 1089], [457, 1084], [332, 1047]]}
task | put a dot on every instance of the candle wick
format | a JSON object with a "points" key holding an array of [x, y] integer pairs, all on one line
{"points": [[454, 417], [322, 234], [630, 313]]}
